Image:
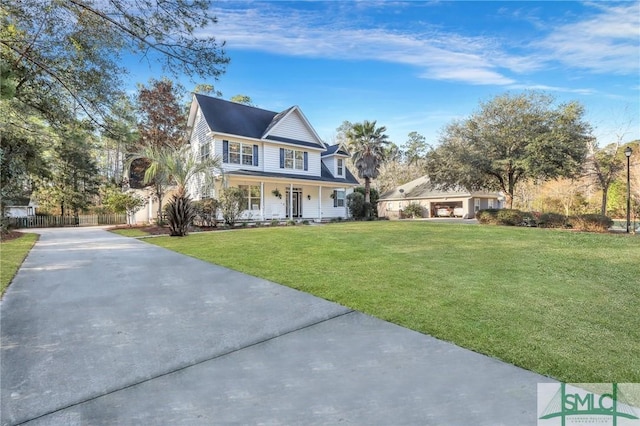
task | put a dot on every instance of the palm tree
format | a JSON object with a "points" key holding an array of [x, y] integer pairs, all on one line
{"points": [[367, 144], [177, 166]]}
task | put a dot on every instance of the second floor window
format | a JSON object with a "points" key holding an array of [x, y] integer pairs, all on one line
{"points": [[204, 151], [239, 153], [293, 159], [340, 166]]}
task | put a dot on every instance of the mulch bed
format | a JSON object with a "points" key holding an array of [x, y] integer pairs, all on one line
{"points": [[11, 235]]}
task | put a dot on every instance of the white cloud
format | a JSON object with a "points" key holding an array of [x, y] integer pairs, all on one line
{"points": [[608, 42], [296, 33], [605, 42]]}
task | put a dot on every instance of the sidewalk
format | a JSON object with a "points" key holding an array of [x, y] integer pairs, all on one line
{"points": [[100, 329]]}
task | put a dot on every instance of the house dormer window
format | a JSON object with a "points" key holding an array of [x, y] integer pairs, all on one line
{"points": [[340, 167], [239, 153]]}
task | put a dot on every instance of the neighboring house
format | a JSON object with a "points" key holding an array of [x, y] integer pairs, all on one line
{"points": [[435, 203], [24, 209], [284, 168]]}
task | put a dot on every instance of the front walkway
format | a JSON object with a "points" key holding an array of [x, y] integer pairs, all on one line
{"points": [[100, 329]]}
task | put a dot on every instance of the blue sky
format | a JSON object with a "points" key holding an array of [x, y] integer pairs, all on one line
{"points": [[416, 66]]}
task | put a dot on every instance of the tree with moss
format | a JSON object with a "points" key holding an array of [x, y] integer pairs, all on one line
{"points": [[511, 138]]}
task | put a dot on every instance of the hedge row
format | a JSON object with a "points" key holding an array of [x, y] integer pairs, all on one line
{"points": [[512, 217]]}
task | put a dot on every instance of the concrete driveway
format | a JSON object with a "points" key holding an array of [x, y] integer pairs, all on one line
{"points": [[99, 329]]}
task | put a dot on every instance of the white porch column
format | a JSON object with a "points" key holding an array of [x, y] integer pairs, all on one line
{"points": [[290, 201], [150, 213], [320, 203], [262, 201]]}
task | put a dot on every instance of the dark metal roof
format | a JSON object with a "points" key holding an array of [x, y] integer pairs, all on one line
{"points": [[325, 176]]}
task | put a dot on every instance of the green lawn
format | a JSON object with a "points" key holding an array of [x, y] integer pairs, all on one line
{"points": [[561, 303], [12, 254], [130, 232]]}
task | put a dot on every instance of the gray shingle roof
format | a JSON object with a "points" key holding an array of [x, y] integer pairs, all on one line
{"points": [[233, 118], [335, 149], [243, 120], [422, 188]]}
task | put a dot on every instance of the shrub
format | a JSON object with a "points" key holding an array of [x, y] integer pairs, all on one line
{"points": [[487, 216], [591, 222], [509, 217], [275, 222], [231, 204], [374, 196], [530, 219], [356, 205], [413, 210], [207, 211], [305, 222], [181, 214], [291, 222], [552, 220]]}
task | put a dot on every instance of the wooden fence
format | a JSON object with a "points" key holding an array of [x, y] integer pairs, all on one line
{"points": [[58, 221]]}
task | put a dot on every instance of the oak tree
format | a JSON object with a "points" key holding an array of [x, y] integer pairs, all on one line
{"points": [[512, 138]]}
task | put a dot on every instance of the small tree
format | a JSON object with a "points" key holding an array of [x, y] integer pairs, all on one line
{"points": [[123, 202], [367, 144], [231, 204]]}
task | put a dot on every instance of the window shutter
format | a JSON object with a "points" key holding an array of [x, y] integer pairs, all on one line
{"points": [[225, 151], [306, 161], [255, 155], [282, 158], [335, 198]]}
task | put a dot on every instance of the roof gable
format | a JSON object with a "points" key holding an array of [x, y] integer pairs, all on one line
{"points": [[337, 149], [289, 126], [292, 124]]}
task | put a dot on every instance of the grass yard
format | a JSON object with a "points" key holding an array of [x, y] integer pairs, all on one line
{"points": [[129, 232], [12, 254], [561, 303]]}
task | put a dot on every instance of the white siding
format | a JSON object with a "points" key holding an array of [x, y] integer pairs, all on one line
{"points": [[293, 127], [330, 163], [272, 160], [198, 137]]}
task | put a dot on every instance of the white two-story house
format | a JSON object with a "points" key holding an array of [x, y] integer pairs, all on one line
{"points": [[284, 168]]}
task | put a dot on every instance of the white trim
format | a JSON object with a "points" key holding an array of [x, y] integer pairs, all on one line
{"points": [[274, 142], [304, 121]]}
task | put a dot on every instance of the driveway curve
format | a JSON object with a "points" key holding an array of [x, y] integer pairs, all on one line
{"points": [[99, 329]]}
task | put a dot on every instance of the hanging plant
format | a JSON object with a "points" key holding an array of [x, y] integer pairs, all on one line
{"points": [[276, 193]]}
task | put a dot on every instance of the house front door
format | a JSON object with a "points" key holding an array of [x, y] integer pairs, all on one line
{"points": [[296, 211]]}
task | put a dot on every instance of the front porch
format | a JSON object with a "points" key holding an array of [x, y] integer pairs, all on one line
{"points": [[284, 200]]}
